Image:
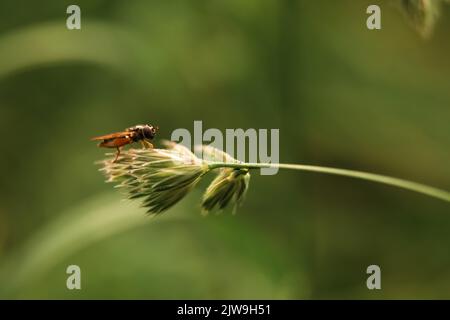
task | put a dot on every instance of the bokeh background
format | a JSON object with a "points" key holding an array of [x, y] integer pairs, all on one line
{"points": [[340, 94]]}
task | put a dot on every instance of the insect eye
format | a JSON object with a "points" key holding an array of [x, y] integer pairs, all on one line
{"points": [[149, 133]]}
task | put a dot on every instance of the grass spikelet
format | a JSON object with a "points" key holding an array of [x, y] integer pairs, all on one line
{"points": [[229, 187]]}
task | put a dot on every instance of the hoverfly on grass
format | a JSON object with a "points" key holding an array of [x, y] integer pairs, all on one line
{"points": [[139, 133]]}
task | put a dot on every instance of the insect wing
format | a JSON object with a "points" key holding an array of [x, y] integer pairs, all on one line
{"points": [[123, 134], [116, 142]]}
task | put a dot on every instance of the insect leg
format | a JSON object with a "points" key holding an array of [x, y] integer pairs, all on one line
{"points": [[146, 144], [117, 154], [149, 145]]}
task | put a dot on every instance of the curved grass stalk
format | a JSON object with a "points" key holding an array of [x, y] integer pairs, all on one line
{"points": [[162, 177], [396, 182]]}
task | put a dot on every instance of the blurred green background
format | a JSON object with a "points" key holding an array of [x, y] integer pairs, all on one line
{"points": [[340, 94]]}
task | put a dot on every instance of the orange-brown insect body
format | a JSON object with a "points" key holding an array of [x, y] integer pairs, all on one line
{"points": [[143, 133]]}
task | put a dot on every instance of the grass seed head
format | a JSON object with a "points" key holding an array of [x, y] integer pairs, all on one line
{"points": [[162, 177]]}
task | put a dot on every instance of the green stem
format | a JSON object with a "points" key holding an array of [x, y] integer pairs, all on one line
{"points": [[400, 183]]}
